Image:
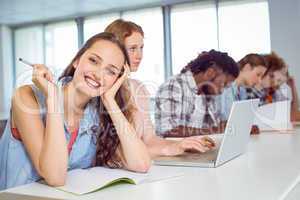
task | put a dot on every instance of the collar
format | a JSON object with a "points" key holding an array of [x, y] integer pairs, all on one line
{"points": [[189, 78]]}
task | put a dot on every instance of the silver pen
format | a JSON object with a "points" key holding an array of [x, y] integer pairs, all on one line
{"points": [[31, 65], [25, 62]]}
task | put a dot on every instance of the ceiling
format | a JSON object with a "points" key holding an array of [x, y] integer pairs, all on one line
{"points": [[19, 12]]}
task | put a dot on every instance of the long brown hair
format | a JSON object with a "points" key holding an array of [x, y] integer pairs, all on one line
{"points": [[274, 62], [123, 29], [107, 140], [253, 60]]}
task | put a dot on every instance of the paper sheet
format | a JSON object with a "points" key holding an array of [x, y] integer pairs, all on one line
{"points": [[274, 116]]}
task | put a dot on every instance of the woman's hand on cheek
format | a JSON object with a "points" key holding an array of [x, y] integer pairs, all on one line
{"points": [[110, 94]]}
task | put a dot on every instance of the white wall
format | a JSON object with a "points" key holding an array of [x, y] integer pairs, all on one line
{"points": [[6, 69], [285, 33]]}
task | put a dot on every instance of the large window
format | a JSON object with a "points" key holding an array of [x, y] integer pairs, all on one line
{"points": [[244, 27], [151, 70], [94, 25], [193, 29], [61, 45], [29, 46], [238, 27]]}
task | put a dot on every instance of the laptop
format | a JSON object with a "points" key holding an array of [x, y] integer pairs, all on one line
{"points": [[228, 145]]}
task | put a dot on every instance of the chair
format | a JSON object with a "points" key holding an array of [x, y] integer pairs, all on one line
{"points": [[2, 126]]}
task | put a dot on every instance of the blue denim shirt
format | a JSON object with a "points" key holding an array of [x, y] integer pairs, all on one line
{"points": [[229, 95], [15, 164]]}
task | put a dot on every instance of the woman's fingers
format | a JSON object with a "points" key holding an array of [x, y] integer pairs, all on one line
{"points": [[124, 76], [43, 78], [41, 71], [208, 141], [191, 143], [204, 140]]}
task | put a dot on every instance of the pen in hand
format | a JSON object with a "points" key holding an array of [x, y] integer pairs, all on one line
{"points": [[32, 65]]}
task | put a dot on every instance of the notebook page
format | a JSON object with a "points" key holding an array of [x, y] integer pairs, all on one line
{"points": [[82, 181]]}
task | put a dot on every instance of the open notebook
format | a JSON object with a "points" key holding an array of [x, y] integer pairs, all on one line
{"points": [[82, 181], [274, 116]]}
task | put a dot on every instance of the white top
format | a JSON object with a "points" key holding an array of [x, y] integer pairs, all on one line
{"points": [[265, 172], [286, 91]]}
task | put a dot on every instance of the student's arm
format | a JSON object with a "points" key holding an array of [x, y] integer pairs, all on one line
{"points": [[295, 113], [156, 145], [46, 145], [162, 147], [184, 131], [134, 151]]}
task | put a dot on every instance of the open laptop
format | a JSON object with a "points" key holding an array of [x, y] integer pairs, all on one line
{"points": [[232, 144]]}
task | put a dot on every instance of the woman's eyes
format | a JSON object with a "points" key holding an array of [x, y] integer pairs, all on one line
{"points": [[259, 74], [110, 71], [93, 60], [133, 49]]}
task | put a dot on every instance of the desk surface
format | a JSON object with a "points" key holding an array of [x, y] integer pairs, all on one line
{"points": [[265, 172], [294, 194]]}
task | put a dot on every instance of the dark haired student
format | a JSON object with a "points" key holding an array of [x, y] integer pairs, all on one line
{"points": [[187, 104], [85, 120]]}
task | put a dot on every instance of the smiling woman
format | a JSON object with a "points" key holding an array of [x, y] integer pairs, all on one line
{"points": [[92, 67], [95, 128]]}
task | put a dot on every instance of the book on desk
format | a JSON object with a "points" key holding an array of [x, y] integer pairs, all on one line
{"points": [[83, 181]]}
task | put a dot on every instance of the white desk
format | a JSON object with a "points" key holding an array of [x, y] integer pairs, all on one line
{"points": [[294, 194], [271, 164]]}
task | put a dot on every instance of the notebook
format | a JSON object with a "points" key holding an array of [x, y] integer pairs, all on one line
{"points": [[83, 181]]}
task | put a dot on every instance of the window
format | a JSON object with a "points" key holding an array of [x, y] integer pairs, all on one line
{"points": [[151, 69], [244, 27], [61, 45], [193, 29], [29, 46], [97, 24]]}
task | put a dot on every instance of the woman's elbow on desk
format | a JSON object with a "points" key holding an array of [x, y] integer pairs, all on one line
{"points": [[56, 181], [54, 178], [141, 167]]}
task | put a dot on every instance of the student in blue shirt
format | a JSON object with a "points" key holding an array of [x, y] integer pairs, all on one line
{"points": [[252, 68], [55, 128]]}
